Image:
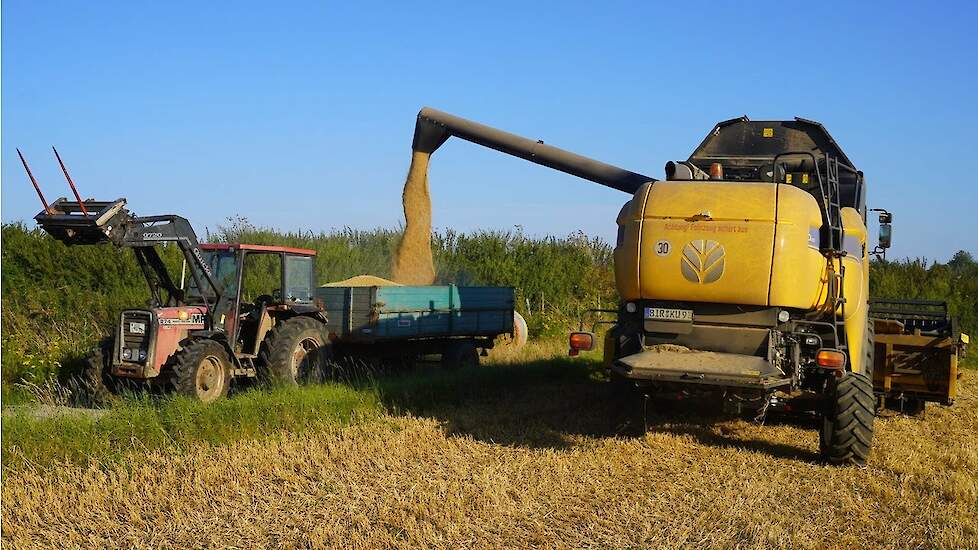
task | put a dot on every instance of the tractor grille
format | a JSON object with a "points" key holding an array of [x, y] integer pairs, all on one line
{"points": [[131, 336]]}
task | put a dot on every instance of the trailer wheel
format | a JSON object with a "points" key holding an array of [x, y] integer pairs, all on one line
{"points": [[846, 437], [202, 370], [96, 377], [459, 354], [296, 351]]}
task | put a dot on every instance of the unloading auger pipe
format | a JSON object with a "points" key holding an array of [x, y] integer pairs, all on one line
{"points": [[435, 127]]}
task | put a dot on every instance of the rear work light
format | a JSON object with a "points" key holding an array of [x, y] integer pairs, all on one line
{"points": [[830, 358], [581, 341]]}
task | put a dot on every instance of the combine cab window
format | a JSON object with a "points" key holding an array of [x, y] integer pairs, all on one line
{"points": [[298, 278]]}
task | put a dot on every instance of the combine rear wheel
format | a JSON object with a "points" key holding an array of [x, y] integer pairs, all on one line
{"points": [[202, 370], [296, 351], [846, 436]]}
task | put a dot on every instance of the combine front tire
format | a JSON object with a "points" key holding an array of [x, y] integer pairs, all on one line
{"points": [[296, 352], [846, 436], [202, 370]]}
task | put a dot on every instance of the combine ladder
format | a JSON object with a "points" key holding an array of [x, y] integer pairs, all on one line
{"points": [[833, 246]]}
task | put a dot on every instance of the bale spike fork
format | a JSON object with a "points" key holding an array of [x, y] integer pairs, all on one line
{"points": [[78, 221]]}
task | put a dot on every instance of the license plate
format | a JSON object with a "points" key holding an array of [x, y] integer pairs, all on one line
{"points": [[137, 328], [667, 314]]}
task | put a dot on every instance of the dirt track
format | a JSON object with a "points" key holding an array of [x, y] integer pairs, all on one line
{"points": [[529, 468]]}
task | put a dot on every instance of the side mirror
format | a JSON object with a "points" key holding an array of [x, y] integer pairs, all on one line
{"points": [[886, 234]]}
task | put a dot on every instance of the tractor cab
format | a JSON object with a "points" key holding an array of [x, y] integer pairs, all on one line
{"points": [[262, 283]]}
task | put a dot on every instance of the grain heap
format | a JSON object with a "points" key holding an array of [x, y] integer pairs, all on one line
{"points": [[363, 280]]}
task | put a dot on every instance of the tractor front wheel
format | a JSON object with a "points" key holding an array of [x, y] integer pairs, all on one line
{"points": [[202, 370], [96, 376]]}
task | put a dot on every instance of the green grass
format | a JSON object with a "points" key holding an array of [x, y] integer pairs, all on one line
{"points": [[136, 424], [139, 424]]}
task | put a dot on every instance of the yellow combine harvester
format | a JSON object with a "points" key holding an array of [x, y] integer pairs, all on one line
{"points": [[745, 273]]}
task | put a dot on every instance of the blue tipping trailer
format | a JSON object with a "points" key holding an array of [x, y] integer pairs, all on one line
{"points": [[410, 321]]}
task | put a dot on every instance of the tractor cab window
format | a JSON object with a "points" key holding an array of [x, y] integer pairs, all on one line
{"points": [[224, 270], [262, 277], [298, 278]]}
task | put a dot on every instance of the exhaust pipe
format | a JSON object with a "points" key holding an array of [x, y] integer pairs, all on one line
{"points": [[435, 127]]}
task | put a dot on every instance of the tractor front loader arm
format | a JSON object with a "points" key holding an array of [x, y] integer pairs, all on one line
{"points": [[145, 233]]}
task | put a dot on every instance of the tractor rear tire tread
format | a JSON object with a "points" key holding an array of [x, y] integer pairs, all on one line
{"points": [[275, 357]]}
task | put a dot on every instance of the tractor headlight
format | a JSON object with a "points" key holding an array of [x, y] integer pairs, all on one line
{"points": [[630, 307], [783, 316], [142, 355], [126, 354]]}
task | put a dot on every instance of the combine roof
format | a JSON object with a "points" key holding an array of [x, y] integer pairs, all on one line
{"points": [[757, 139]]}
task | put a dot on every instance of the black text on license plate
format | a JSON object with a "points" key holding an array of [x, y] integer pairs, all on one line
{"points": [[667, 314]]}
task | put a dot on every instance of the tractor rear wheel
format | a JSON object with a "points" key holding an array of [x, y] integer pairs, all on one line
{"points": [[460, 354], [96, 376], [296, 351], [846, 437], [202, 370]]}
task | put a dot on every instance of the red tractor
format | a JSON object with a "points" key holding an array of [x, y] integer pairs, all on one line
{"points": [[246, 311]]}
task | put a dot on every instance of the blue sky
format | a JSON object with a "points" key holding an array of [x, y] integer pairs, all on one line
{"points": [[300, 116]]}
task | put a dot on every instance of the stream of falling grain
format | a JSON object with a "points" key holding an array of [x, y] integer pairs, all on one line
{"points": [[413, 264]]}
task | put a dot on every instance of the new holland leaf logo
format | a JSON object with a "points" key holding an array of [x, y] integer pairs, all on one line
{"points": [[702, 261]]}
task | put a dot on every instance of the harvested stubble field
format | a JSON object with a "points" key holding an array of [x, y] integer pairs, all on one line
{"points": [[518, 453]]}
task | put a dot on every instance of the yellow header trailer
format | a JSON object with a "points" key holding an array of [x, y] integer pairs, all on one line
{"points": [[917, 351]]}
